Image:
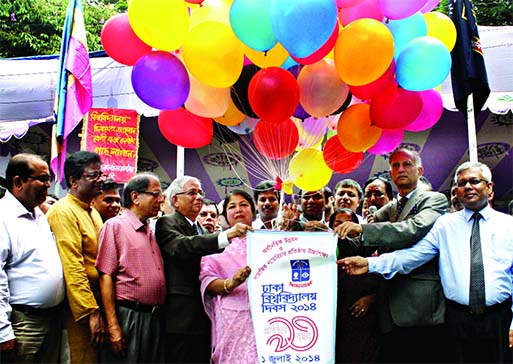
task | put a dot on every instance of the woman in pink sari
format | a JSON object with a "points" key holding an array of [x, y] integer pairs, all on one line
{"points": [[225, 292]]}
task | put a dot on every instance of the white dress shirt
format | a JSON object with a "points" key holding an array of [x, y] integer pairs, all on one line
{"points": [[31, 269], [450, 237]]}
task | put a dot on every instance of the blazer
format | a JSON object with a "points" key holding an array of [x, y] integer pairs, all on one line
{"points": [[415, 299], [182, 248]]}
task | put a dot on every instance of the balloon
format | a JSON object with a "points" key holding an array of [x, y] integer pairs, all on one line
{"points": [[432, 109], [162, 24], [363, 52], [441, 27], [308, 170], [311, 131], [394, 9], [355, 130], [303, 26], [213, 54], [239, 90], [211, 10], [321, 52], [207, 101], [361, 9], [194, 1], [120, 42], [161, 80], [225, 135], [185, 129], [320, 88], [389, 140], [338, 158], [251, 23], [232, 115], [368, 91], [245, 127], [346, 3], [395, 107], [272, 58], [300, 112], [423, 64], [273, 94], [430, 5], [405, 30], [276, 141]]}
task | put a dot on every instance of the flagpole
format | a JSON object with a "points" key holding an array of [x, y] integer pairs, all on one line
{"points": [[180, 157], [471, 127]]}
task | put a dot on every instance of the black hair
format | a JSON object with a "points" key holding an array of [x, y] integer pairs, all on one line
{"points": [[388, 185], [76, 163], [139, 182], [242, 193], [19, 165], [337, 211], [264, 186], [208, 202]]}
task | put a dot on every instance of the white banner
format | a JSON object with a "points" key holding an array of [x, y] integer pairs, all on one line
{"points": [[293, 295]]}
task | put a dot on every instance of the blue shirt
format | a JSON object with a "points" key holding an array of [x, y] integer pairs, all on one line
{"points": [[450, 237]]}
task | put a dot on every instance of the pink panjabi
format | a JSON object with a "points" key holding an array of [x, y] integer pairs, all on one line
{"points": [[233, 338]]}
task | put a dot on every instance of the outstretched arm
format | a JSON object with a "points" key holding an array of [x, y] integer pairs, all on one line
{"points": [[354, 265]]}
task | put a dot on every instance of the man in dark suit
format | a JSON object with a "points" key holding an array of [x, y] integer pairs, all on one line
{"points": [[182, 243], [411, 306]]}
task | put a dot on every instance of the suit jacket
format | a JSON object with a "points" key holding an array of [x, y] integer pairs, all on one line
{"points": [[415, 299], [181, 250]]}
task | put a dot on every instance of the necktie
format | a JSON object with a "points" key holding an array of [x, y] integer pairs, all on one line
{"points": [[477, 288], [400, 206], [197, 228]]}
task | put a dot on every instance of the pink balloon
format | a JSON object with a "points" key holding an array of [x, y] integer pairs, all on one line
{"points": [[362, 9], [368, 91], [389, 140], [346, 3], [394, 9], [183, 128], [430, 5], [395, 107], [432, 109], [321, 52], [120, 42]]}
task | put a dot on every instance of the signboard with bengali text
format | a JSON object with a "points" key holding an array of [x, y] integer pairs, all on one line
{"points": [[114, 135], [293, 295]]}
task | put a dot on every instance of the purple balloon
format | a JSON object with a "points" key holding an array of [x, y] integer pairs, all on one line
{"points": [[431, 112], [161, 80], [389, 140]]}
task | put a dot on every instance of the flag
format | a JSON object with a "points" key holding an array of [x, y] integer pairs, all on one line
{"points": [[74, 96], [468, 72]]}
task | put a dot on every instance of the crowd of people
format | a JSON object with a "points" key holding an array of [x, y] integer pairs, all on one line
{"points": [[160, 276]]}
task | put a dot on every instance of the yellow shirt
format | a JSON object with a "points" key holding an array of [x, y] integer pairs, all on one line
{"points": [[76, 226]]}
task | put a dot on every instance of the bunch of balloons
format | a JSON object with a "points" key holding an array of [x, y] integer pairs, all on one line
{"points": [[280, 69]]}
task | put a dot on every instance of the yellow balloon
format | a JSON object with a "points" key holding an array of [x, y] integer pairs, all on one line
{"points": [[162, 24], [364, 51], [233, 116], [213, 54], [308, 170], [272, 58], [211, 10], [207, 101], [355, 130], [440, 26]]}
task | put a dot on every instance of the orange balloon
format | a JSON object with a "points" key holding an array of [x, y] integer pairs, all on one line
{"points": [[207, 101], [232, 115], [355, 130], [364, 51], [272, 58]]}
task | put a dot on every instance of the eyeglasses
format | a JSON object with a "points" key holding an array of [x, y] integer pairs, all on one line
{"points": [[94, 175], [191, 193], [206, 213], [473, 182], [155, 194], [375, 193], [44, 178]]}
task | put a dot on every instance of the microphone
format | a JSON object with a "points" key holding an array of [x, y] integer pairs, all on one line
{"points": [[372, 209]]}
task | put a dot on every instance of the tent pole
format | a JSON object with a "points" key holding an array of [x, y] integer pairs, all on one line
{"points": [[471, 126], [180, 157]]}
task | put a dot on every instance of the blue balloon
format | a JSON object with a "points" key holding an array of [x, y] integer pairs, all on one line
{"points": [[303, 26], [251, 23], [161, 80], [423, 64], [405, 30]]}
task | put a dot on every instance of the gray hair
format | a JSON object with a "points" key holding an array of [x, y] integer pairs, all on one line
{"points": [[485, 170], [414, 154], [177, 185]]}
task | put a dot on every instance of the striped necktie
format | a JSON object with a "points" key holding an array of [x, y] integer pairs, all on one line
{"points": [[400, 206], [477, 287]]}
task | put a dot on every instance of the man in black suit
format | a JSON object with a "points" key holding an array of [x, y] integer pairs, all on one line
{"points": [[182, 243], [412, 306]]}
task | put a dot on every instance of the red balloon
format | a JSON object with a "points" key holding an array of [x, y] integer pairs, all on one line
{"points": [[338, 158], [120, 42], [321, 52], [276, 140], [183, 128], [395, 107], [273, 94], [368, 91]]}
